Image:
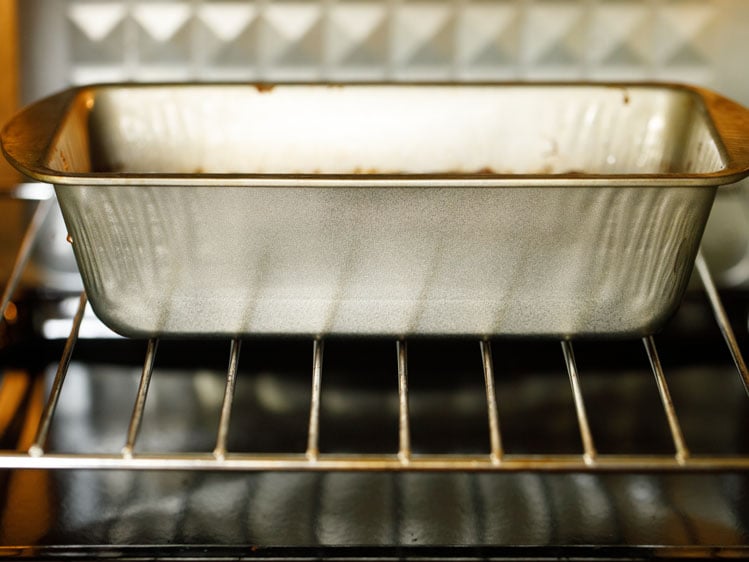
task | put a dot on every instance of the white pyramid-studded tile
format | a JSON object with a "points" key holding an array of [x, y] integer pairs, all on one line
{"points": [[96, 33], [226, 34], [423, 37], [488, 38], [555, 33], [96, 20], [292, 36], [683, 33], [620, 40], [620, 33], [227, 20], [357, 37], [164, 37], [161, 20]]}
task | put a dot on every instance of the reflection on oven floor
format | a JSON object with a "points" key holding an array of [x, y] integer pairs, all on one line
{"points": [[310, 509]]}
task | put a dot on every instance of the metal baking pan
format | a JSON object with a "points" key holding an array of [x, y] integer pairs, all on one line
{"points": [[517, 209]]}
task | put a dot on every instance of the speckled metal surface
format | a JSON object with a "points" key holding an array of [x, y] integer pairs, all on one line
{"points": [[576, 220], [385, 261]]}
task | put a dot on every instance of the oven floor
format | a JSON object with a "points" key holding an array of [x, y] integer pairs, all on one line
{"points": [[309, 511]]}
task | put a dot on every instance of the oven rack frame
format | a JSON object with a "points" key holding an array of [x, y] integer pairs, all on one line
{"points": [[37, 457]]}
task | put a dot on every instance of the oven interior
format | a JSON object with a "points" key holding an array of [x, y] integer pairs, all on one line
{"points": [[354, 448]]}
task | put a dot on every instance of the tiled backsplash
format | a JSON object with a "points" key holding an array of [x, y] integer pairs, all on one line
{"points": [[381, 40], [687, 40]]}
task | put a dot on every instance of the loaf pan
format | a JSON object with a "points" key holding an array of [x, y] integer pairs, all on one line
{"points": [[474, 209]]}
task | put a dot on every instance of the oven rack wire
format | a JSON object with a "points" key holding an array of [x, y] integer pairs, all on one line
{"points": [[311, 459]]}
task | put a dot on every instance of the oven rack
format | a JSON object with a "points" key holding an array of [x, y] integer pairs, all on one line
{"points": [[311, 459]]}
